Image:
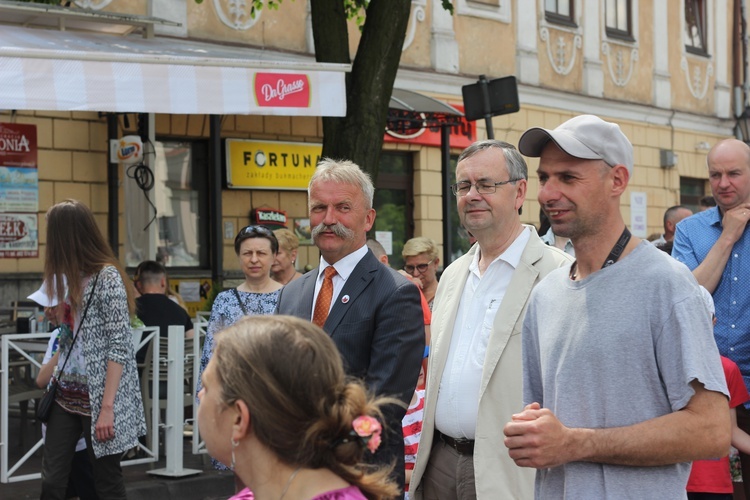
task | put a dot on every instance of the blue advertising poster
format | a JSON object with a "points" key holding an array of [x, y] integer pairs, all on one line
{"points": [[19, 189]]}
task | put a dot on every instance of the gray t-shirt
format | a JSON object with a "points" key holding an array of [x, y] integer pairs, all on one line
{"points": [[617, 348]]}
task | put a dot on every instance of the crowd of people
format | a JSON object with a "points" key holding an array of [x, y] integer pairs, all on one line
{"points": [[577, 361]]}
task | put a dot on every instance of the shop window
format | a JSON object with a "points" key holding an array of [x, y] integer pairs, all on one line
{"points": [[695, 27], [394, 202], [691, 191], [169, 223], [559, 12], [618, 19]]}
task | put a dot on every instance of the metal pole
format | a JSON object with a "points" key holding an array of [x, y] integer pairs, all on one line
{"points": [[217, 237], [4, 411], [173, 427], [445, 154], [199, 331], [113, 188], [486, 106]]}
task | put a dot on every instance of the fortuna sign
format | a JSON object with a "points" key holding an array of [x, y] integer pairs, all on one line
{"points": [[288, 90]]}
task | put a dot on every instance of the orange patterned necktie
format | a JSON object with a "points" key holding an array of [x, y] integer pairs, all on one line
{"points": [[323, 304]]}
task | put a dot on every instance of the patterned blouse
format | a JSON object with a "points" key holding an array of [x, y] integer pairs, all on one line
{"points": [[73, 390], [225, 312]]}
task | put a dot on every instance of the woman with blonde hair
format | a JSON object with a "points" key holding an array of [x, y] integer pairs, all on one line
{"points": [[283, 269], [421, 261], [276, 405], [98, 392]]}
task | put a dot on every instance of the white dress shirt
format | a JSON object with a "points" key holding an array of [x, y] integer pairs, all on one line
{"points": [[344, 268], [458, 395]]}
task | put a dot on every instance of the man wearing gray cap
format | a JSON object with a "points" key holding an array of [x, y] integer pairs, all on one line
{"points": [[623, 384]]}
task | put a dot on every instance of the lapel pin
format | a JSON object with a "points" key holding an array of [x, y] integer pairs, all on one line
{"points": [[344, 299]]}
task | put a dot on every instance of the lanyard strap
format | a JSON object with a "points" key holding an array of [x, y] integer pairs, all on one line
{"points": [[618, 248], [613, 256]]}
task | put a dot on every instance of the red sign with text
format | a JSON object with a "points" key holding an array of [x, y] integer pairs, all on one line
{"points": [[18, 145], [462, 135], [285, 90]]}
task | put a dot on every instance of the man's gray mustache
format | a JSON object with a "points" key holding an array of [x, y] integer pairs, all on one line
{"points": [[338, 229]]}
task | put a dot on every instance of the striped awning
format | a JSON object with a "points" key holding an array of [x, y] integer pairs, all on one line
{"points": [[77, 71]]}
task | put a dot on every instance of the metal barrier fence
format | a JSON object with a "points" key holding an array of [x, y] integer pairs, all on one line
{"points": [[27, 347]]}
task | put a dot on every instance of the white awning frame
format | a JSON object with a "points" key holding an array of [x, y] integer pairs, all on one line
{"points": [[52, 70]]}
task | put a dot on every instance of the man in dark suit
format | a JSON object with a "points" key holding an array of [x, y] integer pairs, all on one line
{"points": [[374, 315]]}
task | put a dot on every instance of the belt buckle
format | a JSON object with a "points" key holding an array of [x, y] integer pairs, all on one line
{"points": [[463, 446]]}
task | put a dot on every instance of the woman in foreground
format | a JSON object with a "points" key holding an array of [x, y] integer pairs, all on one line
{"points": [[276, 405]]}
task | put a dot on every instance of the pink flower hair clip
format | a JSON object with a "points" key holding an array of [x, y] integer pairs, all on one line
{"points": [[368, 429]]}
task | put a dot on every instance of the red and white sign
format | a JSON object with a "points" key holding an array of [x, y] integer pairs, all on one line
{"points": [[18, 147], [19, 236], [462, 135], [286, 90]]}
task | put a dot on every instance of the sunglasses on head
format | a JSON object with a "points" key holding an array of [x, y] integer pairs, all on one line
{"points": [[250, 230]]}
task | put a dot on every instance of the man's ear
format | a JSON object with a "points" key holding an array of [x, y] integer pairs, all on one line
{"points": [[521, 186], [369, 219], [620, 178]]}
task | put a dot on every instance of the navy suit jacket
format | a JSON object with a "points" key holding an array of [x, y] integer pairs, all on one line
{"points": [[379, 332]]}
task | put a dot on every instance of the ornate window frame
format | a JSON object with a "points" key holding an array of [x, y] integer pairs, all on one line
{"points": [[632, 15], [501, 12], [692, 62], [556, 57], [614, 45]]}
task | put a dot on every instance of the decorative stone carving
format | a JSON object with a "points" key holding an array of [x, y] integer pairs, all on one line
{"points": [[417, 16], [561, 57], [696, 82], [236, 14], [617, 71], [93, 4]]}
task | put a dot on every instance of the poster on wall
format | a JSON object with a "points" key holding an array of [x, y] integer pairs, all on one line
{"points": [[19, 189], [303, 231], [638, 210], [18, 147], [19, 236], [194, 292]]}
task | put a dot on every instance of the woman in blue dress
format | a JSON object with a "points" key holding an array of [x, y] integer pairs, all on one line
{"points": [[256, 248]]}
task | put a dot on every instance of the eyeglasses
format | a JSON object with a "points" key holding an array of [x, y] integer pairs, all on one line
{"points": [[419, 267], [483, 187]]}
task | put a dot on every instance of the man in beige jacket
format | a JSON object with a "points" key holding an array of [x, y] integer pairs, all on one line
{"points": [[475, 368]]}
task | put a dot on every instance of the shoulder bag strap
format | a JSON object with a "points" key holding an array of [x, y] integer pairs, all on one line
{"points": [[78, 330], [239, 300]]}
